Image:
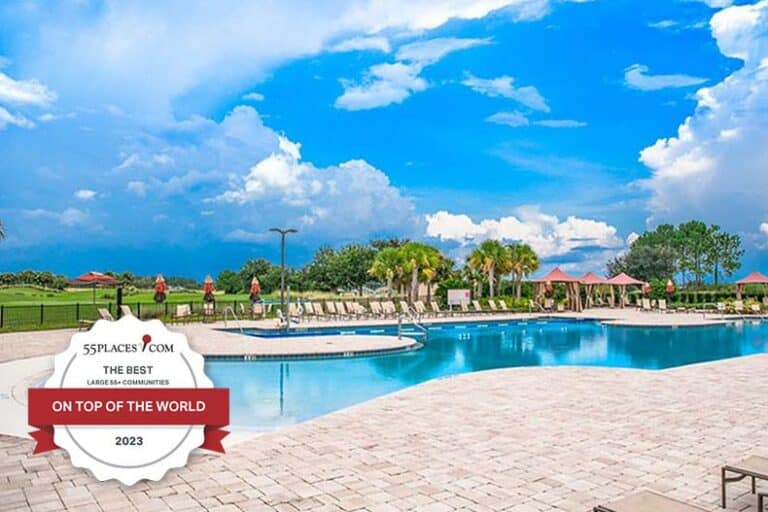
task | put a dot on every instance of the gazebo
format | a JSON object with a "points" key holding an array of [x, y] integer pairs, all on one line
{"points": [[753, 278], [571, 284], [95, 279], [590, 280], [622, 281]]}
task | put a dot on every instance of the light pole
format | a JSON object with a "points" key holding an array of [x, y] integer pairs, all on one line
{"points": [[283, 232]]}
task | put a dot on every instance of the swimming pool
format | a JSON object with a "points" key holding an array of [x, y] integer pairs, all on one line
{"points": [[265, 395]]}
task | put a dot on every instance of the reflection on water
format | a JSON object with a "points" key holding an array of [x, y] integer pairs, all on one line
{"points": [[268, 394]]}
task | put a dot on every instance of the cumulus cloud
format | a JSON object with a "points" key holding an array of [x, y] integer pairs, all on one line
{"points": [[85, 194], [391, 83], [764, 228], [714, 169], [546, 234], [352, 198], [637, 76], [137, 187], [503, 86], [357, 44]]}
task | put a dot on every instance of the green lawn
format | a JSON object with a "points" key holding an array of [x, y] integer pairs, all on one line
{"points": [[24, 296]]}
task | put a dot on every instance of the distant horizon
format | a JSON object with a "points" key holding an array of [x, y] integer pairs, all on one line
{"points": [[446, 123]]}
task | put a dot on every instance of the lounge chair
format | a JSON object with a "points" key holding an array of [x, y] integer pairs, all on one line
{"points": [[478, 307], [388, 308], [209, 311], [404, 307], [738, 306], [376, 310], [548, 304], [435, 307], [662, 305], [492, 306], [330, 308], [125, 310], [341, 310], [421, 310], [754, 467], [560, 307], [755, 308], [104, 314], [721, 307], [503, 305], [646, 304], [647, 501], [320, 314], [257, 310]]}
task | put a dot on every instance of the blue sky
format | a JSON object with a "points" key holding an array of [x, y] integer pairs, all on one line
{"points": [[169, 138]]}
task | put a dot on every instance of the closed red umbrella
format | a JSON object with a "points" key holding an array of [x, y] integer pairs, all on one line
{"points": [[670, 287], [208, 289], [160, 288], [646, 288], [255, 289]]}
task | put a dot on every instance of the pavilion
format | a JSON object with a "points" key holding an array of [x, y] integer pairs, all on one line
{"points": [[622, 281], [753, 278], [571, 285], [590, 280]]}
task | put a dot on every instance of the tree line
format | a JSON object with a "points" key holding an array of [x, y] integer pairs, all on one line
{"points": [[691, 250]]}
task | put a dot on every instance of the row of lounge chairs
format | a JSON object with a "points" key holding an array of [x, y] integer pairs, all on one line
{"points": [[754, 467]]}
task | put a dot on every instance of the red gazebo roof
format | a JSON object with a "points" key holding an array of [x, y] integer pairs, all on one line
{"points": [[754, 278], [623, 280], [590, 278], [95, 278], [557, 276]]}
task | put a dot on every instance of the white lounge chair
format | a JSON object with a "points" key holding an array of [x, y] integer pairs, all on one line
{"points": [[646, 304], [662, 305]]}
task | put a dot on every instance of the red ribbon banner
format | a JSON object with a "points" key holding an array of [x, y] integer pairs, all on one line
{"points": [[128, 406]]}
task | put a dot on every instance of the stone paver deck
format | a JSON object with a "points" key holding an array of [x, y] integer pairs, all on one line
{"points": [[524, 439]]}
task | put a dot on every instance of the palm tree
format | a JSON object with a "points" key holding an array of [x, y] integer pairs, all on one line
{"points": [[388, 266], [523, 262], [492, 259], [418, 258]]}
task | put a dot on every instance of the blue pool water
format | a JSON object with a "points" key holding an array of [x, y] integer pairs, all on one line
{"points": [[268, 394]]}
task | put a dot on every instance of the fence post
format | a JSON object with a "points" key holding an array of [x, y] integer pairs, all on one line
{"points": [[77, 311], [138, 310], [109, 308], [2, 315], [42, 308], [166, 308]]}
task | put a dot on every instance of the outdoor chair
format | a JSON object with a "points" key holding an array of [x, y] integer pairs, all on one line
{"points": [[125, 310], [464, 307], [388, 308], [478, 307], [662, 305], [503, 305], [560, 307], [754, 467], [376, 310], [404, 307], [341, 310], [104, 314], [738, 306], [755, 308], [421, 310], [647, 501], [721, 307], [435, 307], [548, 304], [646, 305], [209, 312], [317, 307], [257, 310], [492, 306], [330, 309]]}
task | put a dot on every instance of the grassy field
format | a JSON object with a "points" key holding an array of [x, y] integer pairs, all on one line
{"points": [[24, 296]]}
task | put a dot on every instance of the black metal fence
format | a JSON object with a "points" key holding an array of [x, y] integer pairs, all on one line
{"points": [[48, 316]]}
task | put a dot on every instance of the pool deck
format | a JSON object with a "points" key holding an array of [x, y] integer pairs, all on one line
{"points": [[522, 439]]}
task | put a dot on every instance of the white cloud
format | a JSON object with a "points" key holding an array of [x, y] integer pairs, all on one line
{"points": [[714, 169], [663, 24], [357, 44], [388, 83], [631, 238], [138, 56], [85, 194], [67, 217], [253, 96], [133, 160], [764, 228], [560, 123], [717, 3], [24, 92], [383, 85], [503, 86], [546, 234], [19, 120], [508, 118], [350, 199], [636, 76], [242, 235], [137, 187], [517, 119]]}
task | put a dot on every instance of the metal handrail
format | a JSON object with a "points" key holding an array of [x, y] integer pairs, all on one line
{"points": [[231, 310], [412, 314]]}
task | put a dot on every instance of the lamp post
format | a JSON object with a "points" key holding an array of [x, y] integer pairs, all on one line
{"points": [[283, 232]]}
